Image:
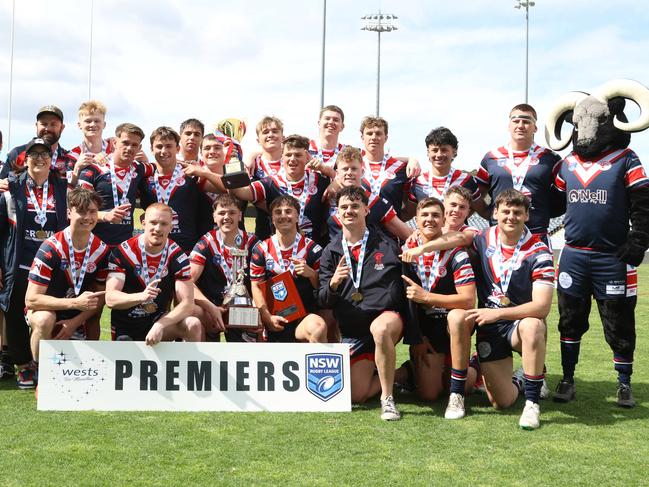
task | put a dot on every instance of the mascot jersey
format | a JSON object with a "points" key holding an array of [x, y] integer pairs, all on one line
{"points": [[597, 214]]}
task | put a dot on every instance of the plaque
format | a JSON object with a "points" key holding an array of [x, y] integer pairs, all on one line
{"points": [[282, 297]]}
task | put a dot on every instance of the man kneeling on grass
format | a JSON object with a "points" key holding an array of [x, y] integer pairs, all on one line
{"points": [[515, 283], [145, 274], [66, 281], [360, 279], [440, 287]]}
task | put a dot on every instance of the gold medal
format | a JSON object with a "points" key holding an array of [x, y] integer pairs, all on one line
{"points": [[505, 301], [357, 297], [150, 307], [41, 234]]}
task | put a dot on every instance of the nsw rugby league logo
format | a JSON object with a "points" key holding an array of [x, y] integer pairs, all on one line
{"points": [[324, 374]]}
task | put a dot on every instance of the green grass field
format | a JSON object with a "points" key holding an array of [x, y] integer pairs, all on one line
{"points": [[587, 442]]}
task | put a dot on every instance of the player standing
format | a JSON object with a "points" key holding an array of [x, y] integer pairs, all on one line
{"points": [[170, 186], [118, 181], [306, 186], [526, 167]]}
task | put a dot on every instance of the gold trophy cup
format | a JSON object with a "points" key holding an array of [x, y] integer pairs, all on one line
{"points": [[234, 171]]}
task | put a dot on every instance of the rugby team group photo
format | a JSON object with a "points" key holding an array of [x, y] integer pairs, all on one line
{"points": [[335, 240]]}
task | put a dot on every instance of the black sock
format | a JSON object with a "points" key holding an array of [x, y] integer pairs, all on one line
{"points": [[569, 357]]}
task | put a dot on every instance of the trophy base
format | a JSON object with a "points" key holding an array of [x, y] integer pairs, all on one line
{"points": [[236, 179], [245, 317]]}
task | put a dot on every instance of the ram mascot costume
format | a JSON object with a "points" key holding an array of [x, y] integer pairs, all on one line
{"points": [[606, 223]]}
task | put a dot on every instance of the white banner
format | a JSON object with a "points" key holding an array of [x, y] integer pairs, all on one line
{"points": [[130, 376]]}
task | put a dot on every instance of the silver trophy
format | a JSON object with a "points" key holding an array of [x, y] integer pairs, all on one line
{"points": [[241, 310]]}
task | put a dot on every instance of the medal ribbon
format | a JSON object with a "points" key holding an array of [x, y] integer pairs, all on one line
{"points": [[280, 260], [145, 267], [85, 148], [431, 188], [303, 197], [519, 172], [164, 194], [41, 211], [77, 279], [356, 279], [332, 160], [376, 183], [114, 182], [266, 167], [223, 263], [505, 275], [428, 282]]}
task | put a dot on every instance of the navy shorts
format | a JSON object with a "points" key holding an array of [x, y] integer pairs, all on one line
{"points": [[287, 335], [494, 341], [137, 331], [435, 328], [584, 273], [360, 348]]}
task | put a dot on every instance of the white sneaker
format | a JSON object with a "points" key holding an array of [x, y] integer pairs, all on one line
{"points": [[545, 390], [455, 408], [531, 417], [389, 411]]}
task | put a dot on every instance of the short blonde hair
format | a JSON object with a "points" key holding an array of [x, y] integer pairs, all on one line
{"points": [[92, 106], [268, 121]]}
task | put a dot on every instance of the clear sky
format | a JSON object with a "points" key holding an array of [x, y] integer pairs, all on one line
{"points": [[458, 64]]}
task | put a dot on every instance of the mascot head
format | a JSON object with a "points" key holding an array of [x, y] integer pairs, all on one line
{"points": [[598, 118]]}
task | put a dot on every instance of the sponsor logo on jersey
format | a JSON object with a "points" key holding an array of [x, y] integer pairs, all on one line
{"points": [[599, 196]]}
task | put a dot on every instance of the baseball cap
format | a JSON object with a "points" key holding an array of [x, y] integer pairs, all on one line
{"points": [[38, 142], [51, 109]]}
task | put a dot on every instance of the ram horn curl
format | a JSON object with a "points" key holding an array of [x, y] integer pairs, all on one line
{"points": [[631, 90], [556, 117]]}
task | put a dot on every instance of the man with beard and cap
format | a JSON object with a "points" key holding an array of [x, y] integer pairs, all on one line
{"points": [[49, 127]]}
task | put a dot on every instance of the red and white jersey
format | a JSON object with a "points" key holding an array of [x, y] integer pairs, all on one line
{"points": [[391, 180], [263, 168], [52, 267], [106, 148], [427, 185], [329, 156]]}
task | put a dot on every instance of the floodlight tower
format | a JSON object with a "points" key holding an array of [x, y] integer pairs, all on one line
{"points": [[324, 38], [379, 23], [526, 4]]}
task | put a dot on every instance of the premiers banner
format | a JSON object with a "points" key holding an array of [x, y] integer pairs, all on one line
{"points": [[130, 376]]}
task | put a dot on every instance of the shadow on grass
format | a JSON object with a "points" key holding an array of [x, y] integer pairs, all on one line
{"points": [[595, 404]]}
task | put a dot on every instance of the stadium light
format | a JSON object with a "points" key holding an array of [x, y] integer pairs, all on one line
{"points": [[379, 23], [526, 4], [11, 73], [324, 37], [92, 9]]}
